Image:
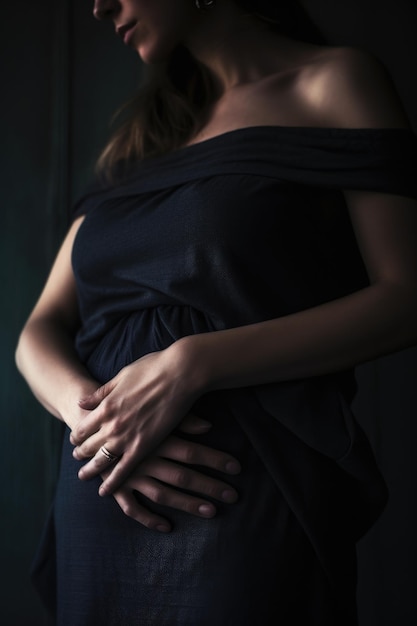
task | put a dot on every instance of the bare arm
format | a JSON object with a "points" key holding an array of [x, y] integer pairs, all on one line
{"points": [[45, 353], [351, 91], [377, 320], [47, 359]]}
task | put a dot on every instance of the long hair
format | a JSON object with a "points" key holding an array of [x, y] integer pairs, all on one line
{"points": [[170, 106]]}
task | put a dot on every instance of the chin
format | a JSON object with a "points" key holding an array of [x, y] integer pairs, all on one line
{"points": [[152, 59], [151, 55]]}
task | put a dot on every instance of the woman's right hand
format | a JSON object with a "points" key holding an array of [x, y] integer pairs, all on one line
{"points": [[162, 477]]}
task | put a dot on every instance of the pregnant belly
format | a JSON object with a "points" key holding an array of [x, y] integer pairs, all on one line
{"points": [[137, 334]]}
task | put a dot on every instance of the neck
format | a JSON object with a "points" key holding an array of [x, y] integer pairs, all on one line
{"points": [[236, 47]]}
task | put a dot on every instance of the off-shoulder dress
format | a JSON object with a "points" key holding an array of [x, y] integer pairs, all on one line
{"points": [[243, 227]]}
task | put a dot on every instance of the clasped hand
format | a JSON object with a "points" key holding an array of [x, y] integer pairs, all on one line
{"points": [[133, 415]]}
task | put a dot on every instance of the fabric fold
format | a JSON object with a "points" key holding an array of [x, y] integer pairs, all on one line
{"points": [[303, 431], [378, 159], [245, 227]]}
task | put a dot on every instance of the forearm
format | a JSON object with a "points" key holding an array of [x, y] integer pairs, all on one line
{"points": [[325, 339], [46, 358]]}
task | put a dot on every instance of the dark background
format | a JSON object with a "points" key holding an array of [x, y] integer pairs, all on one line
{"points": [[62, 77]]}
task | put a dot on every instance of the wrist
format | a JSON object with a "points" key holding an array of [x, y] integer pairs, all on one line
{"points": [[70, 411], [192, 363]]}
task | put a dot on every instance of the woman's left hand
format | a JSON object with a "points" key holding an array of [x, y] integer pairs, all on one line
{"points": [[133, 413]]}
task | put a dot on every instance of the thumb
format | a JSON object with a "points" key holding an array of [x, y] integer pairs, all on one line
{"points": [[92, 401]]}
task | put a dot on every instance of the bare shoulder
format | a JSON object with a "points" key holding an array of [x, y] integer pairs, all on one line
{"points": [[348, 87]]}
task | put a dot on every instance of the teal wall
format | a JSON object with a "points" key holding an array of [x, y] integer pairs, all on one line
{"points": [[62, 77]]}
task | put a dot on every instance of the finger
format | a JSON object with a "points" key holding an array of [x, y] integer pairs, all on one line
{"points": [[118, 475], [90, 447], [131, 507], [166, 496], [92, 401], [193, 453], [187, 478], [88, 427], [98, 464], [194, 425]]}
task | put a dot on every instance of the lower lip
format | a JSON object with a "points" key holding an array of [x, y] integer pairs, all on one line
{"points": [[128, 34]]}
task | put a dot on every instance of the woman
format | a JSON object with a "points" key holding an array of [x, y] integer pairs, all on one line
{"points": [[251, 240]]}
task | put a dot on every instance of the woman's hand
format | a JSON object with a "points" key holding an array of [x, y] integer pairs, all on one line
{"points": [[133, 413], [162, 476]]}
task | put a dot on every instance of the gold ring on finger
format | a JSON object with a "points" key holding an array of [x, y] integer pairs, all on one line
{"points": [[109, 456]]}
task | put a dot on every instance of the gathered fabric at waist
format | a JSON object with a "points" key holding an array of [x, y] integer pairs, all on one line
{"points": [[303, 431]]}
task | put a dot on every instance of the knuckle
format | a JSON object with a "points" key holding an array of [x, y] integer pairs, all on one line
{"points": [[128, 509], [145, 521], [98, 460], [189, 454], [218, 460], [83, 452], [117, 427], [113, 482], [78, 435], [109, 406], [135, 511], [90, 449], [190, 505], [155, 493], [102, 392], [180, 477], [212, 489], [138, 483]]}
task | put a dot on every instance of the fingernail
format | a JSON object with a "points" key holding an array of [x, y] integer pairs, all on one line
{"points": [[163, 528], [207, 510], [229, 496], [233, 467], [102, 492]]}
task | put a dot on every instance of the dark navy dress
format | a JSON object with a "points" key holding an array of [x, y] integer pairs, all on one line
{"points": [[244, 227]]}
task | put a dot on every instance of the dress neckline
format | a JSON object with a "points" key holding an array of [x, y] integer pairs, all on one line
{"points": [[303, 130], [339, 158]]}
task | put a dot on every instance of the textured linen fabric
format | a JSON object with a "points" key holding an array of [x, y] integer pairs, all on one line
{"points": [[244, 227]]}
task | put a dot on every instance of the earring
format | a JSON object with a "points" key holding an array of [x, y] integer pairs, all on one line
{"points": [[203, 5]]}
